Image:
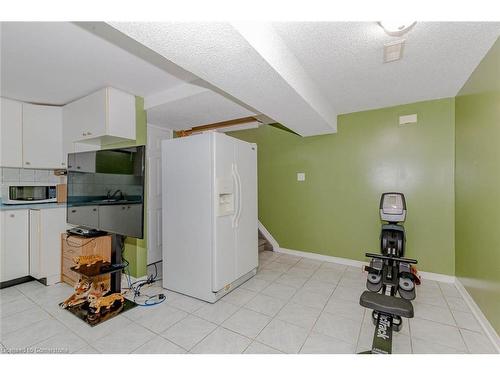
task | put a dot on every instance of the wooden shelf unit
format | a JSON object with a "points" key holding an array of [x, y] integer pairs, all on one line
{"points": [[73, 246]]}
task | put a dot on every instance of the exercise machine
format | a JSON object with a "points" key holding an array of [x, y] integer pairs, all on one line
{"points": [[389, 275]]}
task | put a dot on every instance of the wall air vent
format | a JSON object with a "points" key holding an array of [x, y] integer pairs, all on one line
{"points": [[393, 51]]}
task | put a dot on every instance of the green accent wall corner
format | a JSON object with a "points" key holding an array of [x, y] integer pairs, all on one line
{"points": [[477, 182], [335, 210], [136, 249]]}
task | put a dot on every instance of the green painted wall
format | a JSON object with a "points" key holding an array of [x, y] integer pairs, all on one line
{"points": [[335, 211], [477, 183], [136, 249]]}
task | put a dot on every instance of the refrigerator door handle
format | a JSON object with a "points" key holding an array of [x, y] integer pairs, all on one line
{"points": [[236, 199], [238, 214]]}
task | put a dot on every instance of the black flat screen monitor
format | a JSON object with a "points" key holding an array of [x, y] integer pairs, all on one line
{"points": [[106, 190]]}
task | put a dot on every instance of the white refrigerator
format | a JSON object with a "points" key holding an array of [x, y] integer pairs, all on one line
{"points": [[209, 214]]}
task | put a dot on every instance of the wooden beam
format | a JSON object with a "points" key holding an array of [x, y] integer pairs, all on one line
{"points": [[216, 125]]}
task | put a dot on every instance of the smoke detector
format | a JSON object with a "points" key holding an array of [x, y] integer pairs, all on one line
{"points": [[393, 51]]}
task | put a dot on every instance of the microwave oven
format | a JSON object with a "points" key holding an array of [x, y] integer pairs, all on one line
{"points": [[28, 192]]}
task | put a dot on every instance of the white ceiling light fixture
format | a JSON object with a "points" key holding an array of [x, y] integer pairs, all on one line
{"points": [[395, 28]]}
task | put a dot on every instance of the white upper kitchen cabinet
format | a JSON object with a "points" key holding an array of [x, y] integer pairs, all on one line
{"points": [[104, 117], [14, 250], [11, 133], [42, 136]]}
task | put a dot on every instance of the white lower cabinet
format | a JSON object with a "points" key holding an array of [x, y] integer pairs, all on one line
{"points": [[88, 216], [46, 226], [14, 245], [121, 218], [30, 244]]}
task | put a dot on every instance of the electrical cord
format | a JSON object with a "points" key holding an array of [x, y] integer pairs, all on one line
{"points": [[73, 244], [136, 286]]}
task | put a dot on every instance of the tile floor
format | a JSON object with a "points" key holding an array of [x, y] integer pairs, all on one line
{"points": [[292, 305]]}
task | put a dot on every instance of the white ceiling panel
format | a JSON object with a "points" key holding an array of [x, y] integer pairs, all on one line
{"points": [[203, 108], [57, 62], [345, 59]]}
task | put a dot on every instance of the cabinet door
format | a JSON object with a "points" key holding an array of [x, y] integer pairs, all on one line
{"points": [[35, 244], [82, 162], [85, 118], [52, 224], [14, 250], [121, 114], [42, 136], [122, 219], [11, 134], [87, 216]]}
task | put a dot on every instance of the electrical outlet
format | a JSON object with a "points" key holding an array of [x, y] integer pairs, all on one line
{"points": [[301, 176]]}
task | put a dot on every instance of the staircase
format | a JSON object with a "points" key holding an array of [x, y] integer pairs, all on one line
{"points": [[264, 245]]}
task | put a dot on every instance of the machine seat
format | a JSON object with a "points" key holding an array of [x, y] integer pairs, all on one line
{"points": [[386, 304]]}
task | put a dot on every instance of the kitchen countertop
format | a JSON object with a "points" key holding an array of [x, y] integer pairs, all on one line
{"points": [[30, 206]]}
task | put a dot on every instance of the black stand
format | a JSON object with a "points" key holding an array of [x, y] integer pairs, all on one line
{"points": [[115, 268], [117, 243]]}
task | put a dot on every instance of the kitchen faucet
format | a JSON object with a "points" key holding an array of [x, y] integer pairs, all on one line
{"points": [[111, 196]]}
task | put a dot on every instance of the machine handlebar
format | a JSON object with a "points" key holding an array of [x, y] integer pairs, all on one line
{"points": [[405, 260]]}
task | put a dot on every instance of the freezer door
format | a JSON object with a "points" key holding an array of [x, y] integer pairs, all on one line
{"points": [[246, 220], [187, 215], [225, 195]]}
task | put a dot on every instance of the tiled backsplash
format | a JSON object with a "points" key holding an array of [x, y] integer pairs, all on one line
{"points": [[29, 175], [98, 184]]}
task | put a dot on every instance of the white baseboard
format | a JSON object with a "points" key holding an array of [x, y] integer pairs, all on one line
{"points": [[269, 237], [323, 258], [481, 318], [437, 277], [357, 263]]}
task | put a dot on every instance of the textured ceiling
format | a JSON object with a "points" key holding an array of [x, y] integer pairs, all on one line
{"points": [[57, 62], [345, 60], [200, 109]]}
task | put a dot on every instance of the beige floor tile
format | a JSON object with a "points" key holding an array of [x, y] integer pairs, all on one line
{"points": [[318, 343], [247, 322], [294, 281], [434, 313], [283, 336], [420, 346], [239, 296], [159, 345], [338, 326], [222, 341], [477, 343], [189, 331], [436, 332], [258, 348], [299, 315], [156, 318], [467, 320], [23, 319], [64, 342], [347, 309], [281, 291], [217, 312], [124, 340], [255, 284], [265, 304]]}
